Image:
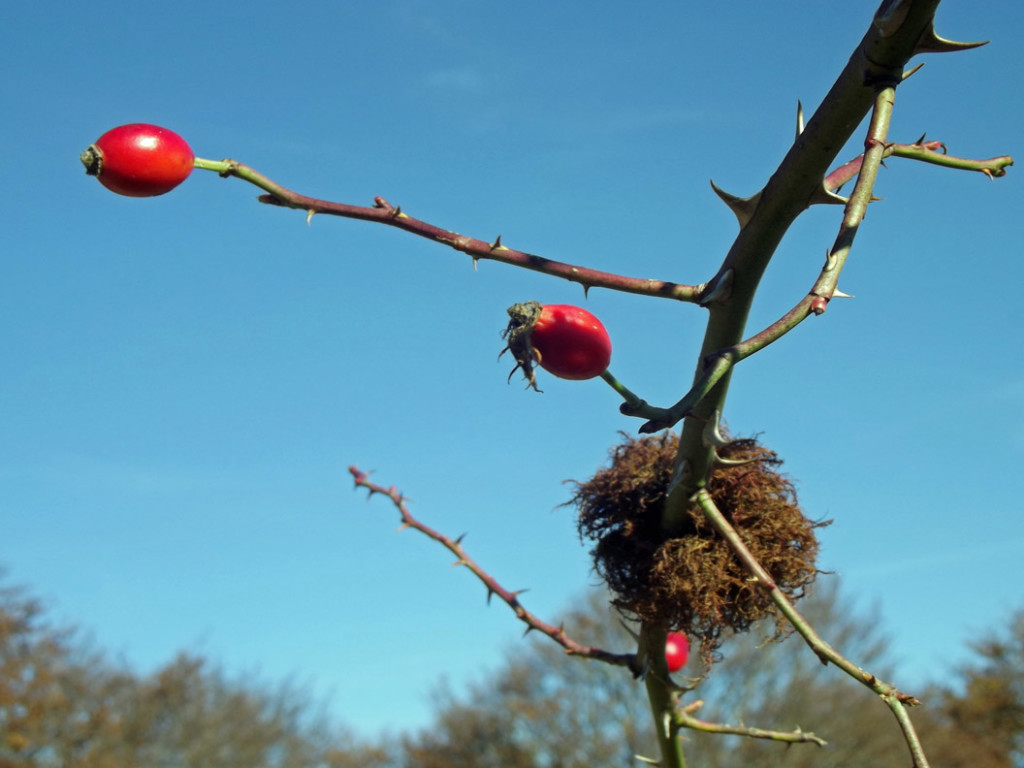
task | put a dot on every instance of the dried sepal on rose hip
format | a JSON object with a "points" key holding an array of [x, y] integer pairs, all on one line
{"points": [[139, 160], [566, 341]]}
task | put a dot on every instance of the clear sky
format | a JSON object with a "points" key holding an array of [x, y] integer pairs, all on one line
{"points": [[186, 378]]}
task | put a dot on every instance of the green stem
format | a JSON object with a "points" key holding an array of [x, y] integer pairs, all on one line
{"points": [[894, 699], [660, 696], [632, 400], [992, 168]]}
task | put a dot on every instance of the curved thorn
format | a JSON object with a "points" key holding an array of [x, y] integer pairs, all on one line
{"points": [[742, 207], [721, 289], [733, 462], [823, 196], [309, 216], [712, 435], [929, 42]]}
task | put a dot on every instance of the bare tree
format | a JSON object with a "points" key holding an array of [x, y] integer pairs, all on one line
{"points": [[63, 704]]}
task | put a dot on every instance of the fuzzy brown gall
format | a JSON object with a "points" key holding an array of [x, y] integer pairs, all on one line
{"points": [[692, 581]]}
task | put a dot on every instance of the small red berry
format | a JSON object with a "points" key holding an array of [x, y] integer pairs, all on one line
{"points": [[566, 341], [139, 160], [677, 651]]}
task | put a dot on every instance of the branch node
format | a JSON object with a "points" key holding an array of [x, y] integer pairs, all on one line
{"points": [[721, 289]]}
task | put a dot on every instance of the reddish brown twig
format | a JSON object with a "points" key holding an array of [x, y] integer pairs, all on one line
{"points": [[384, 212], [493, 587]]}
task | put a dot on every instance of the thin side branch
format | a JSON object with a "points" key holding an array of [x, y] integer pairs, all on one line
{"points": [[362, 480], [383, 212], [935, 152], [893, 698], [686, 720]]}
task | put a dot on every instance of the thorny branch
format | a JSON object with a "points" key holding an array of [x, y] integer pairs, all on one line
{"points": [[685, 719], [824, 289], [362, 480], [899, 30], [682, 716], [894, 699], [383, 212]]}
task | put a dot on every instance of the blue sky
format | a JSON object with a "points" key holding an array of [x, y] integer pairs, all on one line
{"points": [[187, 377]]}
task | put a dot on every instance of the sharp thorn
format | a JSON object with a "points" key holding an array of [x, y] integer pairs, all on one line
{"points": [[823, 196], [712, 434], [309, 216], [929, 42], [837, 294], [742, 207], [799, 118], [920, 142], [911, 71], [586, 291], [733, 462], [721, 289]]}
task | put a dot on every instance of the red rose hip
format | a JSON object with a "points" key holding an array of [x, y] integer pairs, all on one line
{"points": [[566, 341], [677, 651], [139, 160]]}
